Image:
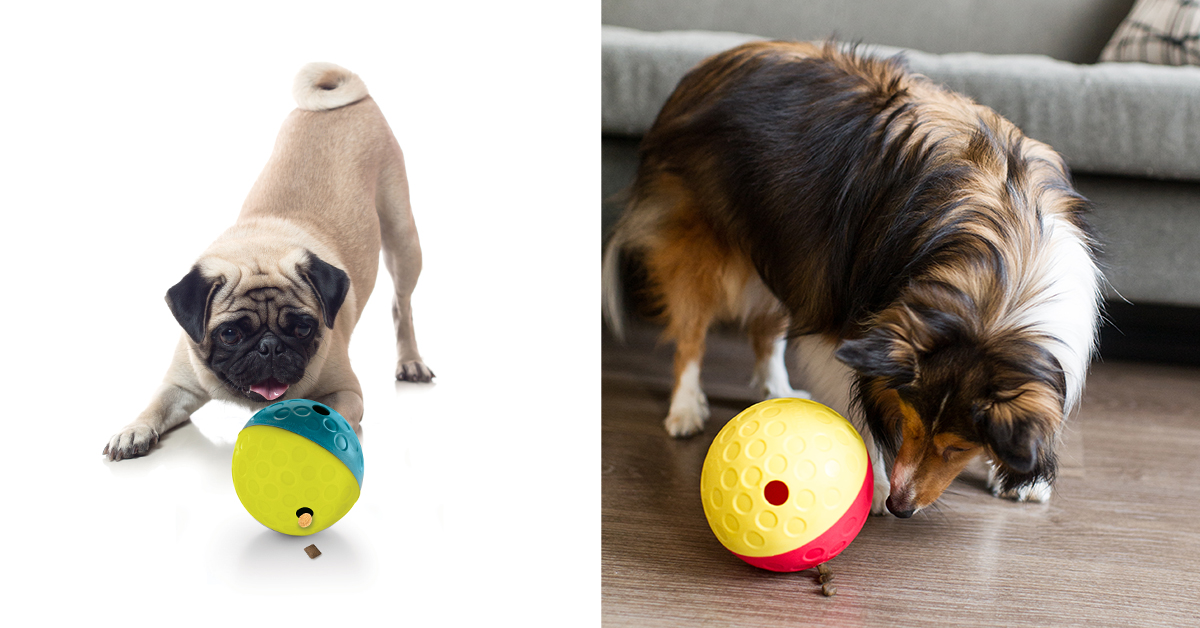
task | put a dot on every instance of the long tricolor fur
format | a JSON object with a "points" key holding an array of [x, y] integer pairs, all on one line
{"points": [[818, 192]]}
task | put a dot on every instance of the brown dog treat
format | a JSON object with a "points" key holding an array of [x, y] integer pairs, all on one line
{"points": [[305, 520], [825, 577], [312, 551], [828, 590], [824, 569]]}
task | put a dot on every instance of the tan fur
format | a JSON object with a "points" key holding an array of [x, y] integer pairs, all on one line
{"points": [[323, 86], [335, 186]]}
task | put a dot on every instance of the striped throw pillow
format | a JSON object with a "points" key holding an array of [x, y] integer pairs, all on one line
{"points": [[1166, 32]]}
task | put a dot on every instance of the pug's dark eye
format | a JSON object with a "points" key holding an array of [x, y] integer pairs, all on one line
{"points": [[302, 330], [230, 335]]}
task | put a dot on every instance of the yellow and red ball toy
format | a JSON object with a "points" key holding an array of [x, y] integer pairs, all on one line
{"points": [[787, 484]]}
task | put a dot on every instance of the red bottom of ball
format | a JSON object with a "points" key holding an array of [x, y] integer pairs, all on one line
{"points": [[830, 543]]}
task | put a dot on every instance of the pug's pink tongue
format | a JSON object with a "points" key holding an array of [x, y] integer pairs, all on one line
{"points": [[270, 389]]}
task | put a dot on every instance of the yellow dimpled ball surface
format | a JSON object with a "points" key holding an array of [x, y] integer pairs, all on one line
{"points": [[276, 473], [808, 447]]}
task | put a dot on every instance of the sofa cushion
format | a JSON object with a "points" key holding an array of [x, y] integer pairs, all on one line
{"points": [[1108, 118]]}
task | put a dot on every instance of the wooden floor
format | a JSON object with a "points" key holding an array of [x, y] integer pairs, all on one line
{"points": [[1118, 545]]}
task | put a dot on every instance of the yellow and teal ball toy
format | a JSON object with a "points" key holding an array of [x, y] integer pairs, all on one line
{"points": [[297, 467]]}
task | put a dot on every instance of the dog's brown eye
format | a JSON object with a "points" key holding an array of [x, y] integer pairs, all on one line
{"points": [[951, 450], [230, 335], [302, 330]]}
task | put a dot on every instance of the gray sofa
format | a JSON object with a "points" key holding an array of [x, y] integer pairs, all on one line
{"points": [[1129, 131]]}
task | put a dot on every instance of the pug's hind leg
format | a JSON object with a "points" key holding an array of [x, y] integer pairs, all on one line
{"points": [[171, 406], [402, 257]]}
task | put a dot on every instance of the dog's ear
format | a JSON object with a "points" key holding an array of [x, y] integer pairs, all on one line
{"points": [[329, 283], [1017, 445], [881, 353], [190, 300], [1021, 453], [1020, 421]]}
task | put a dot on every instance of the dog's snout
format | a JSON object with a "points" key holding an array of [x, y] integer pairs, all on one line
{"points": [[270, 345], [902, 510]]}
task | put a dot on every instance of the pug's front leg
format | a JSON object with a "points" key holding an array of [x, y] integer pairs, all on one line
{"points": [[171, 406], [349, 404]]}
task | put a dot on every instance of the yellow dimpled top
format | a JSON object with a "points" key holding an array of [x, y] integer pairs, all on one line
{"points": [[276, 473], [779, 474]]}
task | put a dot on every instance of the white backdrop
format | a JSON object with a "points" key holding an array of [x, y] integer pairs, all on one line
{"points": [[129, 136]]}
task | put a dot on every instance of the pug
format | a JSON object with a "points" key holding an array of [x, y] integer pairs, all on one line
{"points": [[267, 311]]}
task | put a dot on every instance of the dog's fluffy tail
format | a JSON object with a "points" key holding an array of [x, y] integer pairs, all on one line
{"points": [[322, 86], [612, 291]]}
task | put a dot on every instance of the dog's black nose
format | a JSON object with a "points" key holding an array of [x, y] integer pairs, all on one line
{"points": [[270, 345], [900, 511]]}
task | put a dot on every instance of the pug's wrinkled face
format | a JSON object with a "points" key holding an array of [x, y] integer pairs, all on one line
{"points": [[257, 332], [260, 351]]}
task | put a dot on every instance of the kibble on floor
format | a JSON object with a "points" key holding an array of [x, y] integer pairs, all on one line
{"points": [[312, 551], [825, 576]]}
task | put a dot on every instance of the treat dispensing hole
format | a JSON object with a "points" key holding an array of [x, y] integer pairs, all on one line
{"points": [[775, 492], [304, 517]]}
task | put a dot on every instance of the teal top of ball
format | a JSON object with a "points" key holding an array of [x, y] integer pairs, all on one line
{"points": [[320, 424]]}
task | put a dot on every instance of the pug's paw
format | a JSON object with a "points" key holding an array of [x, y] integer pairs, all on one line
{"points": [[414, 371], [133, 441]]}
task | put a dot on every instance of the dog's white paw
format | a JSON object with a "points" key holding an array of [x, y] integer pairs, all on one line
{"points": [[770, 377], [1038, 491], [781, 392], [413, 371], [689, 406], [135, 440], [879, 499], [687, 418], [883, 488], [882, 484]]}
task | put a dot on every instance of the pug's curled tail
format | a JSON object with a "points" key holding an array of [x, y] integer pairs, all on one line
{"points": [[322, 86]]}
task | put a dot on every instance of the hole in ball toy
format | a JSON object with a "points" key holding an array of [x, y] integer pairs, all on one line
{"points": [[776, 492], [321, 410], [304, 517], [304, 510]]}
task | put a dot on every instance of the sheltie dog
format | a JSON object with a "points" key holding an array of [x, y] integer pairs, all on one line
{"points": [[931, 265]]}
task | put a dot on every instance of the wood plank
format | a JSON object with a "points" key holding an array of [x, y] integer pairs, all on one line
{"points": [[1116, 545]]}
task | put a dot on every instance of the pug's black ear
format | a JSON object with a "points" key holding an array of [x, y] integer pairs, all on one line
{"points": [[189, 301], [880, 353], [329, 283]]}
